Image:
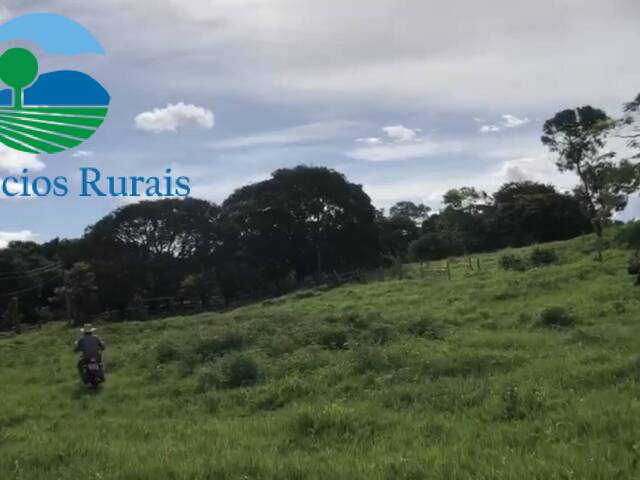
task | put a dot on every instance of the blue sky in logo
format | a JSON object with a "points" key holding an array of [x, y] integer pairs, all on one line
{"points": [[54, 34], [407, 98]]}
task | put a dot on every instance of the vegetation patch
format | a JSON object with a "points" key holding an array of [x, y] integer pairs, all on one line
{"points": [[556, 317]]}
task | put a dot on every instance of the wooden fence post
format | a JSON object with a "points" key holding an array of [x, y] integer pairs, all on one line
{"points": [[470, 264], [478, 259], [448, 269]]}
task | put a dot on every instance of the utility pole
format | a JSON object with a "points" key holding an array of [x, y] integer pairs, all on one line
{"points": [[67, 299]]}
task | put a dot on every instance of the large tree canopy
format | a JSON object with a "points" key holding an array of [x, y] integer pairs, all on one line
{"points": [[529, 212], [151, 246], [306, 219]]}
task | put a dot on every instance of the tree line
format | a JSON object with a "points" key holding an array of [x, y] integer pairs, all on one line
{"points": [[305, 223]]}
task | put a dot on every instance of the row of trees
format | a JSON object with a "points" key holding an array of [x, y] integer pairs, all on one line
{"points": [[306, 222]]}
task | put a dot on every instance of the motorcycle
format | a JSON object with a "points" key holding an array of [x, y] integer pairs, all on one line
{"points": [[93, 373]]}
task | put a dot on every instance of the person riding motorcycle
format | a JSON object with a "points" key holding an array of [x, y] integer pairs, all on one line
{"points": [[90, 346]]}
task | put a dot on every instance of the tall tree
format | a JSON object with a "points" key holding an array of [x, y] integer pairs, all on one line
{"points": [[464, 220], [405, 209], [13, 316], [579, 138], [631, 121], [78, 294], [306, 220], [151, 246], [396, 233], [530, 212], [29, 275]]}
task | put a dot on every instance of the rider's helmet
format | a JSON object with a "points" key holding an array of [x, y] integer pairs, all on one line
{"points": [[88, 329]]}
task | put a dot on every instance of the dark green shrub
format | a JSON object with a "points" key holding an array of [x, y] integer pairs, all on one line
{"points": [[556, 317], [629, 235], [516, 405], [541, 257], [358, 321], [426, 328], [509, 261], [278, 394], [212, 347], [334, 339], [381, 333], [619, 307], [166, 351], [239, 371]]}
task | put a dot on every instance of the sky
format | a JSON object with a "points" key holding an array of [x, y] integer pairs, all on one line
{"points": [[406, 97]]}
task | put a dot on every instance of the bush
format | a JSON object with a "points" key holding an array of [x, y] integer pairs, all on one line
{"points": [[629, 235], [556, 317], [509, 261], [211, 347], [166, 351], [541, 257], [276, 395], [239, 371], [381, 333], [426, 328], [516, 405], [334, 339]]}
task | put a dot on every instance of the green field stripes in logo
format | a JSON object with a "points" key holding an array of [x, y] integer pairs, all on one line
{"points": [[54, 111], [48, 129]]}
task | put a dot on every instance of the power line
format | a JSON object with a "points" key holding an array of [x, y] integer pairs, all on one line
{"points": [[27, 273], [29, 289]]}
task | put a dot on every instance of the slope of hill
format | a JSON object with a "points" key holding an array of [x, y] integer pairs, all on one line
{"points": [[400, 379]]}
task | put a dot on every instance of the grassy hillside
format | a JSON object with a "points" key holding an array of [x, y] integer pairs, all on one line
{"points": [[407, 379]]}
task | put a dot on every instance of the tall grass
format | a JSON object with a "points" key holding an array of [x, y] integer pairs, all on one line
{"points": [[403, 379]]}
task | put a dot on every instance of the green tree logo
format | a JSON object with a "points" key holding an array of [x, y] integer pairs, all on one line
{"points": [[48, 112], [18, 69]]}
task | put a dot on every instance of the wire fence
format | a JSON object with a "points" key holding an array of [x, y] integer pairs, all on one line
{"points": [[167, 306]]}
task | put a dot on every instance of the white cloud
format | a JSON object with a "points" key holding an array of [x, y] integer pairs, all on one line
{"points": [[369, 140], [508, 121], [400, 133], [82, 154], [511, 121], [293, 135], [536, 169], [403, 151], [5, 14], [22, 236], [402, 143], [499, 53], [13, 161], [174, 117], [429, 186]]}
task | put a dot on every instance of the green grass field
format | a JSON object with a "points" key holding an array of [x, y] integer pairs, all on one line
{"points": [[412, 379], [48, 129]]}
